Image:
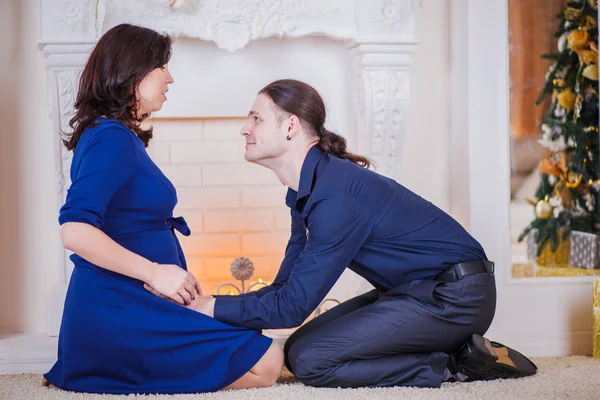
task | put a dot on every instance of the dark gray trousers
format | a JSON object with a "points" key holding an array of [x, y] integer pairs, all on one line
{"points": [[401, 337]]}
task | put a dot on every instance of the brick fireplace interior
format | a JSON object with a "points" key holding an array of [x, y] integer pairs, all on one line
{"points": [[234, 208]]}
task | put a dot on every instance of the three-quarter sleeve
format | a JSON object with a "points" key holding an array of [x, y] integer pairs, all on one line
{"points": [[106, 163], [338, 225]]}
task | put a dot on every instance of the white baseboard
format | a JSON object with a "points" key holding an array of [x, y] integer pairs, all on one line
{"points": [[21, 353], [548, 344]]}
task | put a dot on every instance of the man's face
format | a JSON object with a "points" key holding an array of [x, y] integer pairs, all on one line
{"points": [[265, 135]]}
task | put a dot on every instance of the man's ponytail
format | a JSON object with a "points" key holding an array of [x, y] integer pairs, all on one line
{"points": [[331, 143]]}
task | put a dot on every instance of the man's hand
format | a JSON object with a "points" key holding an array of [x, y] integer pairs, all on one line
{"points": [[204, 305]]}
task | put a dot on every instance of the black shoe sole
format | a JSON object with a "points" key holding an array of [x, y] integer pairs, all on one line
{"points": [[481, 359]]}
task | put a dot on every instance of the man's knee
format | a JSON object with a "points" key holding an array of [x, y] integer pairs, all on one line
{"points": [[306, 365]]}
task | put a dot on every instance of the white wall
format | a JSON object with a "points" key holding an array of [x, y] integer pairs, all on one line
{"points": [[9, 274], [424, 163], [28, 229], [30, 239]]}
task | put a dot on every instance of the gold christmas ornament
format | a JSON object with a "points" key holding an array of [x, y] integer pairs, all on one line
{"points": [[559, 83], [588, 57], [572, 14], [549, 168], [543, 209], [591, 72], [593, 3], [566, 99], [572, 180], [578, 39], [564, 194], [590, 22]]}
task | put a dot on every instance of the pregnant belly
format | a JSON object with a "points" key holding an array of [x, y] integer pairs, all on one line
{"points": [[158, 246]]}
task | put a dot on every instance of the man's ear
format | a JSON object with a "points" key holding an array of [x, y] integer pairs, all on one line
{"points": [[293, 125]]}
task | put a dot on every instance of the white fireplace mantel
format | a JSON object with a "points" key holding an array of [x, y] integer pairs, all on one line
{"points": [[379, 35]]}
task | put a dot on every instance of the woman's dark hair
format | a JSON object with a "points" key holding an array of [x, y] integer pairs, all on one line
{"points": [[123, 56], [302, 100]]}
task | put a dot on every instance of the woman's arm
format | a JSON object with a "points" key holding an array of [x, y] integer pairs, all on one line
{"points": [[105, 162], [96, 247]]}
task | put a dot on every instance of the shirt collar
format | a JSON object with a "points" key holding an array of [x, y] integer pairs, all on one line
{"points": [[307, 176]]}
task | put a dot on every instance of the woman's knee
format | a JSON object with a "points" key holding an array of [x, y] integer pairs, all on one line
{"points": [[270, 365]]}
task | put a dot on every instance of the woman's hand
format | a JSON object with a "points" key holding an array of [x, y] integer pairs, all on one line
{"points": [[173, 283]]}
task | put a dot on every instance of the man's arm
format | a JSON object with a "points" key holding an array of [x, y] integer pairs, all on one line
{"points": [[338, 226], [294, 248]]}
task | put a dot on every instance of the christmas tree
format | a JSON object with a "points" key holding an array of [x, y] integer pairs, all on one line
{"points": [[568, 195]]}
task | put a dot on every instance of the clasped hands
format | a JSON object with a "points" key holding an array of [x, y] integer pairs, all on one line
{"points": [[172, 283]]}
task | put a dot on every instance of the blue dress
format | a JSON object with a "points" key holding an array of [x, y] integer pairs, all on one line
{"points": [[115, 336]]}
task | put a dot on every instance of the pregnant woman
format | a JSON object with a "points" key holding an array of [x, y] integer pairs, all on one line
{"points": [[116, 336]]}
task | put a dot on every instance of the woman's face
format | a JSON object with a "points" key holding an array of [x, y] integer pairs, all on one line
{"points": [[151, 92]]}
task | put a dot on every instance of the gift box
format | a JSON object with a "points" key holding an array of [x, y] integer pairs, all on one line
{"points": [[596, 311], [545, 272], [585, 250], [547, 257], [522, 270], [531, 245]]}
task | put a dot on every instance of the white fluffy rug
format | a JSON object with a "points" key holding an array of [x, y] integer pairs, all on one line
{"points": [[557, 378]]}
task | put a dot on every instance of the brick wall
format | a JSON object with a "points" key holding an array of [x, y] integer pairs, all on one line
{"points": [[233, 208]]}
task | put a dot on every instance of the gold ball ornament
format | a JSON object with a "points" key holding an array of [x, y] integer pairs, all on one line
{"points": [[566, 99], [578, 39], [543, 209]]}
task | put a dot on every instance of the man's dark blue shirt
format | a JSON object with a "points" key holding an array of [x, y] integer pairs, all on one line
{"points": [[344, 215]]}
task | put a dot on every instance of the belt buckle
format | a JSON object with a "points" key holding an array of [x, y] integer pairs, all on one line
{"points": [[450, 275], [455, 273]]}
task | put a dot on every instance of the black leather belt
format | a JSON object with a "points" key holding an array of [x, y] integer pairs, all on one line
{"points": [[461, 270]]}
